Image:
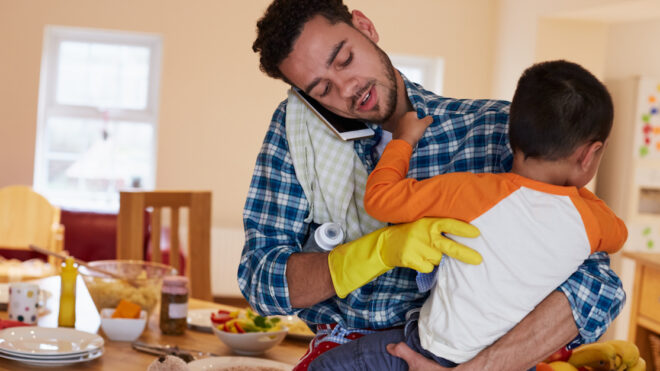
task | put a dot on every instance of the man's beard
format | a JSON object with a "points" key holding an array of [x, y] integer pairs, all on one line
{"points": [[390, 102], [390, 97]]}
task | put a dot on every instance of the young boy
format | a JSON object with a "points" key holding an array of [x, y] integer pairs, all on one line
{"points": [[537, 223]]}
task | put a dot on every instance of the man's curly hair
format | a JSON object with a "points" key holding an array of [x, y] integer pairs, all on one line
{"points": [[282, 24]]}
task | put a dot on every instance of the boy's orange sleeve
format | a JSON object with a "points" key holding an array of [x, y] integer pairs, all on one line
{"points": [[391, 197], [606, 231]]}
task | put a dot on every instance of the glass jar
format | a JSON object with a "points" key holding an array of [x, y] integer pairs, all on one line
{"points": [[174, 305]]}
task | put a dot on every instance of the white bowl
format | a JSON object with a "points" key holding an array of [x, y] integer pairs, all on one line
{"points": [[122, 329], [250, 343]]}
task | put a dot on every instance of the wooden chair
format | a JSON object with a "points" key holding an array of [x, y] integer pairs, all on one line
{"points": [[132, 206], [26, 218]]}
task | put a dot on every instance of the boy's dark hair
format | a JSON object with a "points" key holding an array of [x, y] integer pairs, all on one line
{"points": [[557, 107], [282, 23]]}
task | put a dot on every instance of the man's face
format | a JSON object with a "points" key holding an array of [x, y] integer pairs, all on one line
{"points": [[342, 69]]}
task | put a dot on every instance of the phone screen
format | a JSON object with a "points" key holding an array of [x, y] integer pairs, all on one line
{"points": [[341, 124]]}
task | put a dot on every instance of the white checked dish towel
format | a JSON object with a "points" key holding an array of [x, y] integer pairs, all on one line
{"points": [[330, 172]]}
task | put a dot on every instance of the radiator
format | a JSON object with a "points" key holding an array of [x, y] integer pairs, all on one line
{"points": [[226, 247]]}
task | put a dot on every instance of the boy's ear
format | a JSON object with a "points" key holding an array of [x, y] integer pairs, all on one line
{"points": [[587, 154], [364, 25]]}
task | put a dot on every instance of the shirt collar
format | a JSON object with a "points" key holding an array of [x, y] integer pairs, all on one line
{"points": [[417, 96]]}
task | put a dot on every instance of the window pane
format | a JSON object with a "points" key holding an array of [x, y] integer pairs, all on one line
{"points": [[102, 75], [57, 178], [413, 74], [92, 156], [84, 156], [72, 135]]}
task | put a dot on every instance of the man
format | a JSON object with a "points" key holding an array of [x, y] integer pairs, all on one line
{"points": [[323, 49]]}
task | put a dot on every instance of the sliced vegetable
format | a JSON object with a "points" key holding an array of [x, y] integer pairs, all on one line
{"points": [[243, 321], [221, 316]]}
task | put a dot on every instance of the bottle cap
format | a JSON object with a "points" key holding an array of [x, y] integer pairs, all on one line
{"points": [[175, 285], [329, 235], [175, 281], [68, 263]]}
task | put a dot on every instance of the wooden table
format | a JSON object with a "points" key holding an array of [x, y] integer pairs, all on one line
{"points": [[120, 355], [645, 303]]}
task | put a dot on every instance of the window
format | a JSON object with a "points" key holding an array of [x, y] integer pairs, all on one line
{"points": [[98, 104], [425, 71]]}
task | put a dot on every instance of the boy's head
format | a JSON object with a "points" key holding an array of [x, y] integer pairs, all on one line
{"points": [[557, 107], [560, 111]]}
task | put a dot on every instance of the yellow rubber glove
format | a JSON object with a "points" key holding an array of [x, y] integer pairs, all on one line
{"points": [[418, 245]]}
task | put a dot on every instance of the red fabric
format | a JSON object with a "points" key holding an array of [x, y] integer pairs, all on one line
{"points": [[165, 250], [6, 323], [91, 236], [317, 347]]}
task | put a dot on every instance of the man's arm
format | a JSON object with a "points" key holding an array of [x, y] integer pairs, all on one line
{"points": [[547, 328], [309, 279], [274, 222]]}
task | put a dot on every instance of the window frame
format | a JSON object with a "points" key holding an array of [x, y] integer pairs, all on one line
{"points": [[433, 69], [48, 106]]}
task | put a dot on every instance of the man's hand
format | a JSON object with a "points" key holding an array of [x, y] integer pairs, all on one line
{"points": [[410, 128], [415, 361], [419, 245]]}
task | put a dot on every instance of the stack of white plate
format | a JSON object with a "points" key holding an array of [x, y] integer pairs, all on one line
{"points": [[42, 346]]}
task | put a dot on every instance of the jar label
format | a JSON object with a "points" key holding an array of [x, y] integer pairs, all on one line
{"points": [[178, 310]]}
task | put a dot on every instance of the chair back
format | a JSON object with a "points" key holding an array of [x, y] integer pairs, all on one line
{"points": [[130, 233], [26, 218]]}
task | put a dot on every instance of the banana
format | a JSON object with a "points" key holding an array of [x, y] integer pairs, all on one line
{"points": [[627, 351], [562, 366], [639, 366], [600, 356]]}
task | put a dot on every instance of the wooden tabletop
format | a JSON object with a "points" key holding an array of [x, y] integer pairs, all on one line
{"points": [[120, 355]]}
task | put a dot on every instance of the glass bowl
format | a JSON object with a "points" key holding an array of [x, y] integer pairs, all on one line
{"points": [[106, 292]]}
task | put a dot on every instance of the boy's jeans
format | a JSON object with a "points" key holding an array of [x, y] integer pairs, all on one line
{"points": [[369, 352]]}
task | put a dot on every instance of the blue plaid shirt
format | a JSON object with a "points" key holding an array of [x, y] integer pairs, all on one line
{"points": [[466, 135]]}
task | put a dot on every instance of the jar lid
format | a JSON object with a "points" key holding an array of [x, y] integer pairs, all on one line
{"points": [[178, 281]]}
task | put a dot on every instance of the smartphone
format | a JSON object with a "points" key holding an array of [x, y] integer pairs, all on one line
{"points": [[346, 129]]}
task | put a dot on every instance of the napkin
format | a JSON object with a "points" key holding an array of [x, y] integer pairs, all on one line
{"points": [[6, 323]]}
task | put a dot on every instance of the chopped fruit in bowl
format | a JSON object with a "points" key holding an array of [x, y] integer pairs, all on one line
{"points": [[247, 333], [242, 321], [123, 323]]}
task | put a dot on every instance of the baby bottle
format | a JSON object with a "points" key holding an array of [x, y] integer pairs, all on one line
{"points": [[325, 238]]}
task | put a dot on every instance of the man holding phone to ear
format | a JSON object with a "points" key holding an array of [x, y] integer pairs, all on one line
{"points": [[331, 54]]}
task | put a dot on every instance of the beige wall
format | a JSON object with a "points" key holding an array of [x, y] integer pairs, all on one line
{"points": [[578, 41], [215, 105], [633, 50], [521, 25], [461, 32]]}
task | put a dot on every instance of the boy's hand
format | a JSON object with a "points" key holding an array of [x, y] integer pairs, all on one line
{"points": [[410, 128]]}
